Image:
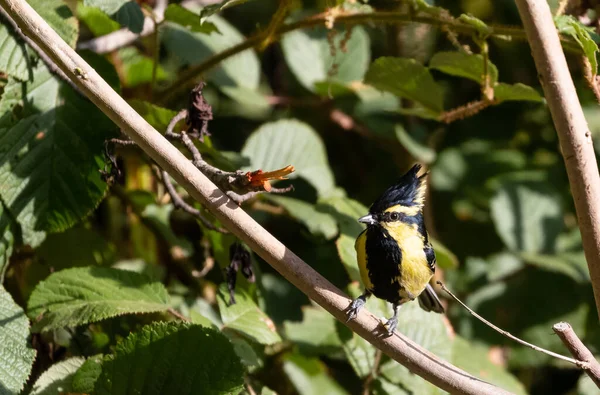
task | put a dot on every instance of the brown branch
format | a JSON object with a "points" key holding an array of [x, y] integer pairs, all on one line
{"points": [[465, 111], [590, 77], [578, 350], [573, 132], [507, 334], [304, 277], [178, 315]]}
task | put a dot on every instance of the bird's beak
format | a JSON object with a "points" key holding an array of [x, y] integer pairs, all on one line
{"points": [[367, 219]]}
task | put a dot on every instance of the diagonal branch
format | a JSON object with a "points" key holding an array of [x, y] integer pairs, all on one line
{"points": [[399, 347], [573, 132]]}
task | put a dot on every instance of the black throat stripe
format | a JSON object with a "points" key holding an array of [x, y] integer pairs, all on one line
{"points": [[383, 263]]}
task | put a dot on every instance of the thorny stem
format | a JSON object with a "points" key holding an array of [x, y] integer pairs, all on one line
{"points": [[579, 364], [454, 24]]}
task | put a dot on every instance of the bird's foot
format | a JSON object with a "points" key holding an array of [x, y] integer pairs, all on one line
{"points": [[391, 325], [355, 306]]}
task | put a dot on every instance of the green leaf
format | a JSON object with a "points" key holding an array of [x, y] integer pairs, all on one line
{"points": [[78, 296], [212, 9], [518, 91], [381, 386], [7, 239], [318, 223], [130, 15], [359, 352], [474, 359], [573, 265], [86, 376], [58, 378], [186, 18], [477, 23], [109, 7], [51, 156], [406, 78], [290, 142], [246, 317], [568, 25], [586, 386], [97, 21], [444, 257], [156, 116], [420, 151], [16, 354], [309, 377], [137, 69], [527, 216], [172, 358], [346, 211], [460, 64], [309, 56], [242, 70], [428, 330], [316, 334], [16, 57]]}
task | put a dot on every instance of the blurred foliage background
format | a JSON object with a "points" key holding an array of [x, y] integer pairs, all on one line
{"points": [[351, 107]]}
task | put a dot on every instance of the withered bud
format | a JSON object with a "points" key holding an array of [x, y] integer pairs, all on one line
{"points": [[199, 113], [240, 259]]}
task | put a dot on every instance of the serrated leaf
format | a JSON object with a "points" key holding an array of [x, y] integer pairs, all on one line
{"points": [[518, 91], [309, 377], [172, 358], [78, 296], [316, 334], [420, 151], [460, 64], [241, 70], [568, 25], [58, 378], [212, 9], [474, 359], [290, 142], [15, 60], [16, 354], [86, 376], [7, 239], [246, 317], [186, 18], [360, 353], [130, 15], [428, 330], [406, 78], [318, 223], [309, 56], [527, 216], [50, 158]]}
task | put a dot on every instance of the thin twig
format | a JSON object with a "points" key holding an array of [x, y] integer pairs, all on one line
{"points": [[178, 315], [507, 334], [578, 350], [178, 202], [373, 374], [399, 347], [573, 132]]}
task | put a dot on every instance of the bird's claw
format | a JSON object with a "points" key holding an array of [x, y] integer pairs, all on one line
{"points": [[391, 325], [354, 308]]}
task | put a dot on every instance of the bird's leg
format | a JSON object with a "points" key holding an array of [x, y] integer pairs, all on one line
{"points": [[392, 323], [356, 305]]}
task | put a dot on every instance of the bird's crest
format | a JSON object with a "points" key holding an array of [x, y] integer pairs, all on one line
{"points": [[409, 191]]}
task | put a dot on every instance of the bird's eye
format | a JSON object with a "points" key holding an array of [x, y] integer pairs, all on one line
{"points": [[394, 216]]}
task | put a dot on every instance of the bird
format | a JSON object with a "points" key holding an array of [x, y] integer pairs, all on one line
{"points": [[395, 258]]}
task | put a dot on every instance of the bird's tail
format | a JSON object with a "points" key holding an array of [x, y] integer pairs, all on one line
{"points": [[429, 301]]}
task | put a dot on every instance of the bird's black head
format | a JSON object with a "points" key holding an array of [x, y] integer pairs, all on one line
{"points": [[406, 197]]}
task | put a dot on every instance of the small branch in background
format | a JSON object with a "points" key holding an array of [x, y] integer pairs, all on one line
{"points": [[465, 111], [373, 374], [178, 315], [590, 77], [179, 203], [579, 364], [562, 6], [578, 350]]}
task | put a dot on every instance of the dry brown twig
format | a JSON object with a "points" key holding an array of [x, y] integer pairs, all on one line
{"points": [[168, 157], [578, 350]]}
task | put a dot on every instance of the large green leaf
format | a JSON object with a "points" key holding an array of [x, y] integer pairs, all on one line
{"points": [[309, 376], [318, 223], [464, 65], [156, 116], [527, 216], [127, 12], [57, 379], [51, 157], [316, 334], [516, 92], [137, 69], [290, 142], [85, 378], [406, 78], [7, 228], [186, 18], [188, 48], [474, 359], [16, 56], [360, 353], [97, 21], [246, 318], [418, 149], [16, 354], [309, 56], [172, 358], [567, 24], [78, 296]]}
